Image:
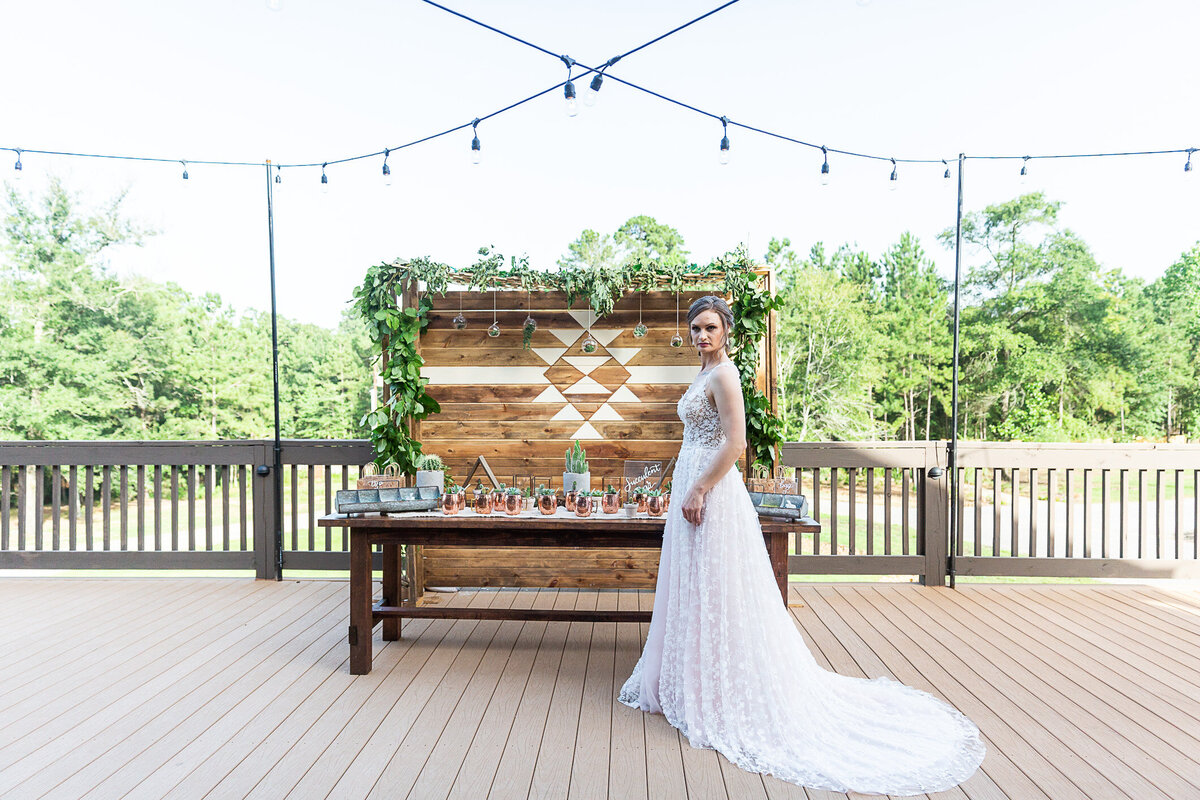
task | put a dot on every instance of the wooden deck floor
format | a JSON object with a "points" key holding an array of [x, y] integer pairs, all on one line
{"points": [[231, 688]]}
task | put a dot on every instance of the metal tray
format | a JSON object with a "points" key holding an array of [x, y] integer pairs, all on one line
{"points": [[407, 498]]}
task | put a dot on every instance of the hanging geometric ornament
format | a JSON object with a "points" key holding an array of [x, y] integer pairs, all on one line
{"points": [[460, 321], [589, 344], [677, 340], [494, 330], [639, 330]]}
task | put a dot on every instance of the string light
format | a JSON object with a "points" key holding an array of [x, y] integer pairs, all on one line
{"points": [[1024, 168], [278, 176], [17, 167], [387, 171], [1187, 166], [324, 179], [185, 175], [894, 180], [725, 140], [825, 167], [569, 88], [592, 93], [947, 173], [475, 142]]}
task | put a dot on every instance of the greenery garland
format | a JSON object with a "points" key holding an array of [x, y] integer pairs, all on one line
{"points": [[397, 330]]}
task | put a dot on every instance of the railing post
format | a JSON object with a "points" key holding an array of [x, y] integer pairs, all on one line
{"points": [[265, 506], [933, 514]]}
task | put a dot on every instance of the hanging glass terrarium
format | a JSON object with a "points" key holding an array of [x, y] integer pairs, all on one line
{"points": [[494, 329], [639, 330], [528, 326], [677, 340], [460, 321], [589, 344]]}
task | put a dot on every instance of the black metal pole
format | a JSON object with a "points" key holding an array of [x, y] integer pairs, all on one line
{"points": [[278, 469], [952, 460]]}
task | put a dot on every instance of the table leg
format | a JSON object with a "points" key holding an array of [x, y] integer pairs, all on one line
{"points": [[777, 549], [360, 603], [391, 589]]}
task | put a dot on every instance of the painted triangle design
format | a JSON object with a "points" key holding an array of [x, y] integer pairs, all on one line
{"points": [[606, 335], [583, 317], [550, 354], [586, 385], [586, 431], [567, 336], [550, 394], [623, 394], [607, 413], [623, 354], [567, 413], [585, 364]]}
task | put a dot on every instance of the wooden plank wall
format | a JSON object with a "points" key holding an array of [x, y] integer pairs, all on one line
{"points": [[523, 408]]}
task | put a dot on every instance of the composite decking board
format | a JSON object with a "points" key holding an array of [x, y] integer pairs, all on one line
{"points": [[627, 753], [593, 740], [1090, 660], [1149, 734], [1041, 734], [1126, 683], [244, 759], [1136, 769], [1009, 760], [1087, 635], [1178, 636], [30, 614], [88, 756], [324, 750], [556, 752], [152, 750], [430, 755], [36, 722], [442, 676], [478, 768]]}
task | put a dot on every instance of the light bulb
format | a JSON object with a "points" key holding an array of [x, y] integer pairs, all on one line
{"points": [[1025, 170], [494, 330], [185, 174], [475, 150], [18, 168], [324, 183], [894, 180], [592, 93], [460, 321], [387, 174], [724, 158], [278, 177], [825, 174], [639, 331], [569, 94]]}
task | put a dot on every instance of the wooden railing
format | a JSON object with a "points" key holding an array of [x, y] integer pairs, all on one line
{"points": [[1095, 510]]}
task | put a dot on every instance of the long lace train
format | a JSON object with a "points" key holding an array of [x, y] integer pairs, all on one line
{"points": [[726, 665]]}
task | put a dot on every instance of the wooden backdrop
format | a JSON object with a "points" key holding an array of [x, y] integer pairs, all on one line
{"points": [[522, 409]]}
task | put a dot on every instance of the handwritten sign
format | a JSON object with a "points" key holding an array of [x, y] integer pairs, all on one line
{"points": [[641, 475]]}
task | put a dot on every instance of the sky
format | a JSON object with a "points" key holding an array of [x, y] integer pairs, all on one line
{"points": [[320, 81]]}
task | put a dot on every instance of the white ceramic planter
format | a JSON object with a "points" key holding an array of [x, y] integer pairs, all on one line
{"points": [[577, 481]]}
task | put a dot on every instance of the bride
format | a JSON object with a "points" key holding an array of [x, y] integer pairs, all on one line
{"points": [[724, 662]]}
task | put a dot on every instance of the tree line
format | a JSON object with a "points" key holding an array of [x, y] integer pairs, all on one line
{"points": [[1053, 346]]}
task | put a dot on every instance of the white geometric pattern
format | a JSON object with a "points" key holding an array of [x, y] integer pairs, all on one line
{"points": [[606, 335], [567, 413], [606, 413], [623, 354], [567, 336], [585, 364], [624, 395], [483, 376], [663, 374], [550, 354], [550, 395], [586, 385], [586, 431]]}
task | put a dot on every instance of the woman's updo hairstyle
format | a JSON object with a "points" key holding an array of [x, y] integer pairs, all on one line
{"points": [[713, 303]]}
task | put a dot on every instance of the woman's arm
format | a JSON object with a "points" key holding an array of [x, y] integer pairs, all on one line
{"points": [[731, 407]]}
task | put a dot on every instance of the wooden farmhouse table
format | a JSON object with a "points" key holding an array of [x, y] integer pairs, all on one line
{"points": [[466, 529]]}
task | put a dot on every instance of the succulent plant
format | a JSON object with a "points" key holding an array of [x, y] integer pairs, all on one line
{"points": [[430, 462], [577, 459]]}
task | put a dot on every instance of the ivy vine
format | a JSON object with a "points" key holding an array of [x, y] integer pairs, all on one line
{"points": [[396, 331]]}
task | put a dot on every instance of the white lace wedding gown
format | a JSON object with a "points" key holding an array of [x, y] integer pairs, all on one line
{"points": [[726, 665]]}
